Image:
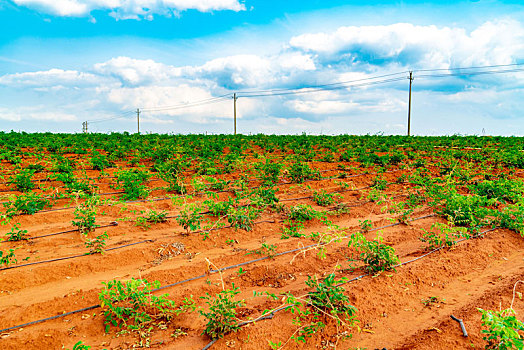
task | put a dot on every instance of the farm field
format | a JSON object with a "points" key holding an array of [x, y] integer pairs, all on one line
{"points": [[297, 242]]}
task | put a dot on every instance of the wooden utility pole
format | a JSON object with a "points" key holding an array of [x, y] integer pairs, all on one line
{"points": [[138, 119], [235, 111], [84, 127], [409, 104]]}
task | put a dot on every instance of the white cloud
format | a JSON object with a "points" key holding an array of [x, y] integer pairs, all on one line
{"points": [[136, 72], [494, 42], [35, 113], [49, 78], [129, 9]]}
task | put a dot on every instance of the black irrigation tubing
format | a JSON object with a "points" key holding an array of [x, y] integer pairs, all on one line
{"points": [[192, 278], [73, 256], [273, 312], [113, 223]]}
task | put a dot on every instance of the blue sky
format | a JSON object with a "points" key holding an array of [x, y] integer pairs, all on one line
{"points": [[66, 61]]}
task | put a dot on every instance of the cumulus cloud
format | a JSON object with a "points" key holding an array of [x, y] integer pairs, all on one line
{"points": [[494, 42], [129, 9], [136, 72]]}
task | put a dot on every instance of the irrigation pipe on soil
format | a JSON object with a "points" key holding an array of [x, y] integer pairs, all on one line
{"points": [[192, 278]]}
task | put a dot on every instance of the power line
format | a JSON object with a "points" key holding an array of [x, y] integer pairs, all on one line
{"points": [[472, 67], [309, 90], [471, 73], [323, 85], [111, 118], [188, 104]]}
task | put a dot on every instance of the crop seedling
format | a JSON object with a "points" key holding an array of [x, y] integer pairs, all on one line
{"points": [[190, 217], [100, 162], [443, 235], [242, 218], [131, 305], [221, 317], [22, 181], [27, 203], [97, 245], [16, 234], [325, 199], [377, 255], [330, 297], [326, 302], [133, 183], [365, 225], [300, 172], [85, 216], [151, 217], [7, 258], [268, 250]]}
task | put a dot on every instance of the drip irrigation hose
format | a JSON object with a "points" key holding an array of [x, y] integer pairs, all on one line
{"points": [[461, 323], [368, 274], [113, 223], [73, 256], [199, 277]]}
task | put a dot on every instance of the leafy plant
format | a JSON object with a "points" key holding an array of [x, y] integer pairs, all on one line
{"points": [[151, 217], [365, 225], [325, 199], [190, 217], [299, 172], [16, 234], [22, 181], [97, 245], [99, 161], [443, 235], [330, 297], [503, 329], [8, 258], [221, 317], [27, 203], [133, 183], [268, 250], [377, 255], [132, 305], [85, 216], [302, 212], [242, 218]]}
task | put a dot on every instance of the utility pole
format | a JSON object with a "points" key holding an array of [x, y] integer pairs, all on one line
{"points": [[138, 120], [84, 127], [409, 105], [235, 111]]}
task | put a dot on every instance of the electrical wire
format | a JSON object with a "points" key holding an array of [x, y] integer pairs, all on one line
{"points": [[323, 85], [308, 90], [189, 104], [119, 116]]}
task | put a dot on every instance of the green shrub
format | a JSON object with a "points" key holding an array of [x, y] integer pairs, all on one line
{"points": [[443, 235], [221, 317], [100, 162], [27, 203], [503, 329], [22, 181], [376, 255], [299, 172], [330, 298], [132, 305], [133, 183]]}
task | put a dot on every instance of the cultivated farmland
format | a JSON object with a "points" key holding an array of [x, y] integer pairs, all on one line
{"points": [[259, 242]]}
